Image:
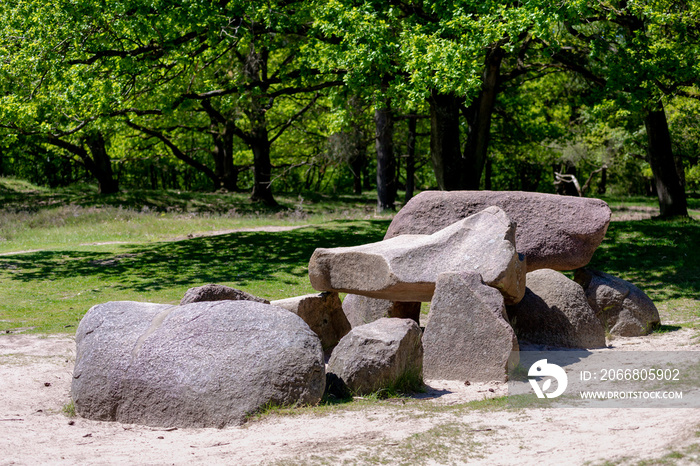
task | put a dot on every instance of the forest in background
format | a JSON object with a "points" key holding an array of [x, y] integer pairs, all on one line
{"points": [[578, 97]]}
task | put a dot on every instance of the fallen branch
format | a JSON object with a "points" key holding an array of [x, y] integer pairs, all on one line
{"points": [[561, 178]]}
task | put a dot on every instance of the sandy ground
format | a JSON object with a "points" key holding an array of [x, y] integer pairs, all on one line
{"points": [[35, 375]]}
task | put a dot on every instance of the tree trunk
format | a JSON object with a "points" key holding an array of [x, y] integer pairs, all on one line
{"points": [[259, 143], [488, 171], [669, 188], [386, 162], [356, 165], [444, 141], [262, 168], [602, 186], [226, 172], [218, 153], [100, 165], [230, 174], [258, 139], [366, 179], [479, 120], [411, 159], [358, 155]]}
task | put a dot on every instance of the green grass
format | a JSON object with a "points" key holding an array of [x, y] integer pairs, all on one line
{"points": [[41, 219], [659, 257], [50, 290], [88, 249], [69, 409]]}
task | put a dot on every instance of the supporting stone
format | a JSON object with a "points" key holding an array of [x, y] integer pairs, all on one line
{"points": [[468, 337], [323, 312]]}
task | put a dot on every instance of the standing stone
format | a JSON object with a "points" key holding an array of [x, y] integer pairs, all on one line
{"points": [[468, 336], [362, 310], [207, 364], [213, 292], [405, 268], [624, 309], [378, 355], [555, 312], [555, 232], [323, 313]]}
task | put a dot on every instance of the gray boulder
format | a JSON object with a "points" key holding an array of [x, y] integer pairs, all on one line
{"points": [[554, 232], [213, 292], [623, 308], [555, 312], [468, 336], [362, 310], [378, 355], [199, 365], [323, 312], [406, 267]]}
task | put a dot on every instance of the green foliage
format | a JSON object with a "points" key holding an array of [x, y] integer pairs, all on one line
{"points": [[69, 409], [208, 78]]}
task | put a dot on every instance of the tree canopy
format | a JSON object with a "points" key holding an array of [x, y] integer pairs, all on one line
{"points": [[242, 95]]}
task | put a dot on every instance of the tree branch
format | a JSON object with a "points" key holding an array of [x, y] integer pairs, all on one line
{"points": [[293, 118], [138, 51], [177, 152]]}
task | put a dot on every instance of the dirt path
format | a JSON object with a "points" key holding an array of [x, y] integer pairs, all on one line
{"points": [[35, 375]]}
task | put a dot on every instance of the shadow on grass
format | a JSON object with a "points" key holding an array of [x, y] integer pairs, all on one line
{"points": [[163, 200], [660, 257], [667, 328], [239, 257]]}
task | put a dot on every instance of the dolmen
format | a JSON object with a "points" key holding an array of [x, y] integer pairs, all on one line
{"points": [[488, 262], [474, 255], [469, 270]]}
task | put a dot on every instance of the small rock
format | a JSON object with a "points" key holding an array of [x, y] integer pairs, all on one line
{"points": [[378, 355], [624, 309], [214, 292]]}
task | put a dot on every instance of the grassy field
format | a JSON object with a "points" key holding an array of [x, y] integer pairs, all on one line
{"points": [[63, 251]]}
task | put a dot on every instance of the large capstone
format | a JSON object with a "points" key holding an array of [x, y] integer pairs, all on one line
{"points": [[624, 309], [382, 354], [555, 312], [554, 232], [406, 267], [323, 312], [206, 364], [468, 336]]}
